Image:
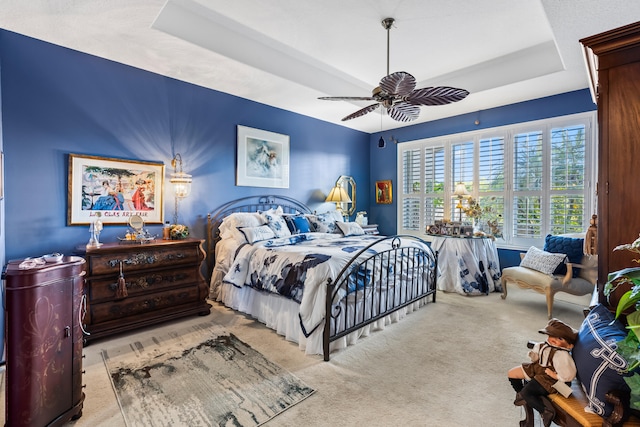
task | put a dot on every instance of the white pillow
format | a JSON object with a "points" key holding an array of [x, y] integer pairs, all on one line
{"points": [[544, 262], [230, 224], [350, 228], [256, 234]]}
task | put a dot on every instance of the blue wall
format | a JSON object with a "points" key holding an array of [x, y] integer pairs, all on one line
{"points": [[57, 101]]}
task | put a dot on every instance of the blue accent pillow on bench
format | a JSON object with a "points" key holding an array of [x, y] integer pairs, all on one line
{"points": [[600, 367], [572, 247]]}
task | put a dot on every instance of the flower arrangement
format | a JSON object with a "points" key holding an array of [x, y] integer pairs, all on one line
{"points": [[477, 213], [629, 348], [178, 231]]}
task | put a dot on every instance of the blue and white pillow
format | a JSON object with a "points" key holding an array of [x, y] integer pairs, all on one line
{"points": [[325, 222], [350, 228], [257, 234], [274, 219], [600, 367], [539, 260]]}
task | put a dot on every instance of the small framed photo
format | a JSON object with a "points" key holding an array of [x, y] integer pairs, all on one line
{"points": [[114, 190], [384, 193]]}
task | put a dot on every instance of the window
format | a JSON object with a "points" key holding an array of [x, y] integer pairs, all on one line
{"points": [[537, 178]]}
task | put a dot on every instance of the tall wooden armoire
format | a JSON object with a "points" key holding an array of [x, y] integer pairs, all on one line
{"points": [[44, 337], [613, 60]]}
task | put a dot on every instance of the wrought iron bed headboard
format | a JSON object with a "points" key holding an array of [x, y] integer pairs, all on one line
{"points": [[246, 204]]}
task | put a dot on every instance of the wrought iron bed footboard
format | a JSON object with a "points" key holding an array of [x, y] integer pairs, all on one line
{"points": [[371, 287]]}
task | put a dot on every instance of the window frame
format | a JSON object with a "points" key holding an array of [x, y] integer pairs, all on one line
{"points": [[508, 133]]}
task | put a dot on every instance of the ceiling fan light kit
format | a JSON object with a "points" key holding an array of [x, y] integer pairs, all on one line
{"points": [[398, 95]]}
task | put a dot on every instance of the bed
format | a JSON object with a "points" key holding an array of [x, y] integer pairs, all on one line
{"points": [[274, 259]]}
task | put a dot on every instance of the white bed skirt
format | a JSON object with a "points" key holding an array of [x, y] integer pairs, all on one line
{"points": [[281, 315]]}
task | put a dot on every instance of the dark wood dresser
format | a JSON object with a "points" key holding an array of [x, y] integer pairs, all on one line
{"points": [[160, 281], [44, 342]]}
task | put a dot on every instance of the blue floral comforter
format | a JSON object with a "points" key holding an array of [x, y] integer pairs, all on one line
{"points": [[298, 267]]}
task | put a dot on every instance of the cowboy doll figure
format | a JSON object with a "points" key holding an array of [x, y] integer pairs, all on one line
{"points": [[550, 369]]}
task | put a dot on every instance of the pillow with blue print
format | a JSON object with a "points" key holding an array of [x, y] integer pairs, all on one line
{"points": [[257, 234], [542, 261], [600, 368], [350, 228], [276, 222], [323, 223]]}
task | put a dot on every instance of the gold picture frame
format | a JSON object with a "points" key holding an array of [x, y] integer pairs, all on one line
{"points": [[384, 192], [114, 190]]}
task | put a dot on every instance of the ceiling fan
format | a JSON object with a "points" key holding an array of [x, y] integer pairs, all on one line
{"points": [[397, 93]]}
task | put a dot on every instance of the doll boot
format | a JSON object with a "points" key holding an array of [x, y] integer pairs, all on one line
{"points": [[528, 420], [549, 412]]}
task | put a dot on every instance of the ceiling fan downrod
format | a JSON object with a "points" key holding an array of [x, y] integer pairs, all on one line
{"points": [[386, 24]]}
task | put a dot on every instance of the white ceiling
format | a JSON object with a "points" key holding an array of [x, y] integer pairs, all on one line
{"points": [[287, 53]]}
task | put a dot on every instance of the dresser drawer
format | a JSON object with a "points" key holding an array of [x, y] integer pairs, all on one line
{"points": [[104, 288], [140, 305], [142, 258]]}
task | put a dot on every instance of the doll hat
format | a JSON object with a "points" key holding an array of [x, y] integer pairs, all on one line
{"points": [[557, 328]]}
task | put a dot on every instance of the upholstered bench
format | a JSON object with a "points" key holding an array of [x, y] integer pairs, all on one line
{"points": [[541, 270], [550, 284]]}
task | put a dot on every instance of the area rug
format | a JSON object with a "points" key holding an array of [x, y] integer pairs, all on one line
{"points": [[199, 377]]}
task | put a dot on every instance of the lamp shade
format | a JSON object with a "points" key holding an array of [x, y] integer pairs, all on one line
{"points": [[461, 190], [338, 195]]}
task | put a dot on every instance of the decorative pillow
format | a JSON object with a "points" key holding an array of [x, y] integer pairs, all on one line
{"points": [[350, 228], [229, 226], [324, 223], [256, 234], [298, 224], [544, 262], [599, 366], [572, 247], [276, 222]]}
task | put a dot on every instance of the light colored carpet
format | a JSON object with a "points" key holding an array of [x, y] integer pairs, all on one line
{"points": [[443, 365], [199, 376]]}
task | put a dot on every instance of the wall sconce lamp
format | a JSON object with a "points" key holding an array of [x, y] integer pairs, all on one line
{"points": [[338, 195], [461, 193], [181, 183]]}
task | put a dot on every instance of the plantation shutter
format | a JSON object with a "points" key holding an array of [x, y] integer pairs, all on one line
{"points": [[411, 185], [527, 185], [567, 179]]}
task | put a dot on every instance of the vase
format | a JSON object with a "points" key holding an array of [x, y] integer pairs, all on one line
{"points": [[478, 225]]}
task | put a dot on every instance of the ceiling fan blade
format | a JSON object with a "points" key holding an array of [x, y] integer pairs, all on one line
{"points": [[403, 112], [346, 98], [439, 95], [362, 112], [399, 83]]}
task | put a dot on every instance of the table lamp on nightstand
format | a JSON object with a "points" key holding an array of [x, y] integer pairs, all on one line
{"points": [[461, 193], [338, 195]]}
